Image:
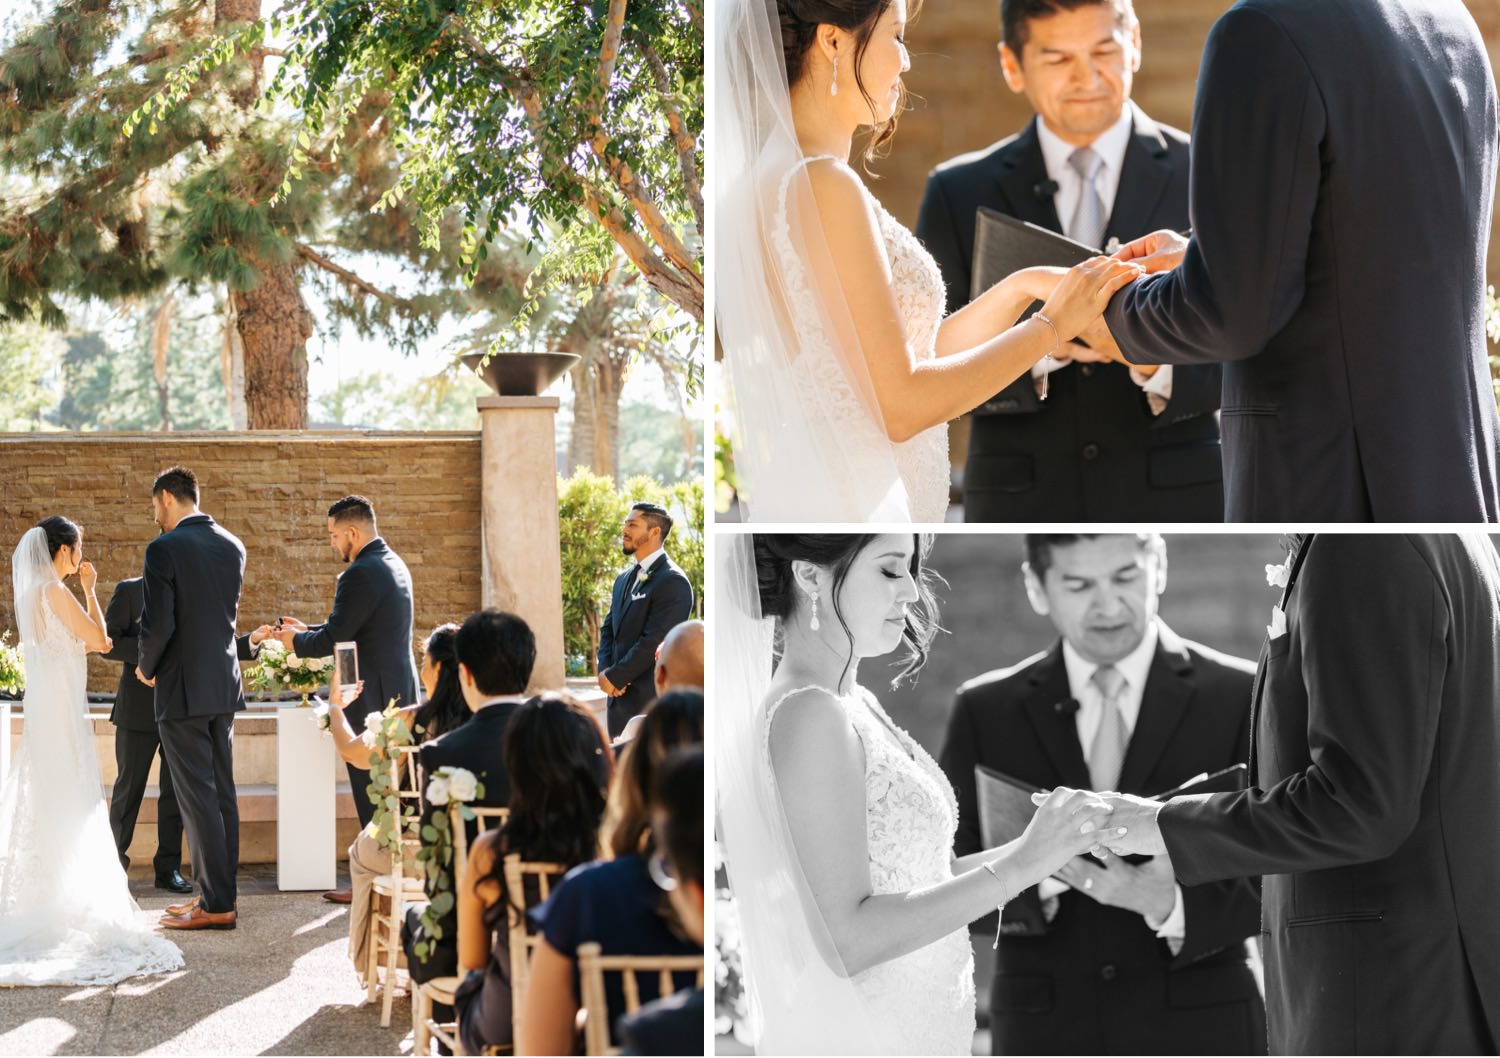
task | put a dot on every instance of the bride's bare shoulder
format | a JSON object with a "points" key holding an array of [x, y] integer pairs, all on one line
{"points": [[808, 722]]}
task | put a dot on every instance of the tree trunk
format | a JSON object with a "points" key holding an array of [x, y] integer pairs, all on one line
{"points": [[581, 438], [610, 382], [274, 325], [232, 364]]}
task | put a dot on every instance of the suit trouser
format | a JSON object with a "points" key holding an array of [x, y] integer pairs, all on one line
{"points": [[622, 709], [200, 750], [133, 753]]}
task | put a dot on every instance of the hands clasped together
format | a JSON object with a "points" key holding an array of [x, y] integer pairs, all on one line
{"points": [[1071, 822], [1075, 298]]}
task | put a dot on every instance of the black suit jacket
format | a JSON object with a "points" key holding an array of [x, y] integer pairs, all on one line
{"points": [[1093, 450], [1096, 979], [135, 703], [670, 1025], [1324, 136], [636, 625], [1375, 793], [372, 607], [187, 642]]}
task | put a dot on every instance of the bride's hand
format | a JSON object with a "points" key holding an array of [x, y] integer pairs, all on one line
{"points": [[1084, 293], [88, 576], [1067, 823], [1036, 283]]}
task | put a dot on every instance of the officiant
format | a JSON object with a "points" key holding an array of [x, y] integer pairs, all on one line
{"points": [[372, 608], [1108, 442], [1112, 957]]}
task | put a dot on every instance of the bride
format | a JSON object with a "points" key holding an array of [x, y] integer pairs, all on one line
{"points": [[837, 825], [843, 370], [66, 914]]}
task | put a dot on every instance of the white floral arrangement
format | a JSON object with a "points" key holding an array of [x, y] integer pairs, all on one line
{"points": [[278, 669], [12, 667]]}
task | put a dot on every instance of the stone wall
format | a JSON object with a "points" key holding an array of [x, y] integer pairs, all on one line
{"points": [[270, 490]]}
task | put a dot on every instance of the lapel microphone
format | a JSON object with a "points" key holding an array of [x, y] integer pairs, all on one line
{"points": [[1046, 189], [1067, 708]]}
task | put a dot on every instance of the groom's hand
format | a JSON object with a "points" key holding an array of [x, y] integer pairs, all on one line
{"points": [[1161, 251], [1150, 890], [285, 636], [292, 623], [1138, 816], [142, 677]]}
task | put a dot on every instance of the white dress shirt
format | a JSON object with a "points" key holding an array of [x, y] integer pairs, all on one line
{"points": [[646, 563], [1134, 667], [1110, 146]]}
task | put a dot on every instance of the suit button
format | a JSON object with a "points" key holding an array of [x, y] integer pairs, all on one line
{"points": [[1090, 451], [1087, 369], [1108, 972]]}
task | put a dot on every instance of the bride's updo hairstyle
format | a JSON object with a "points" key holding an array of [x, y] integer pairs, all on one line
{"points": [[61, 532], [780, 597], [800, 20]]}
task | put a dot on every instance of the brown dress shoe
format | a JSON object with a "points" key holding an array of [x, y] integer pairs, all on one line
{"points": [[340, 896], [198, 918], [182, 908]]}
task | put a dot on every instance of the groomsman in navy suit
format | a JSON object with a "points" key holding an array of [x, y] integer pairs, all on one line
{"points": [[649, 599], [1109, 443]]}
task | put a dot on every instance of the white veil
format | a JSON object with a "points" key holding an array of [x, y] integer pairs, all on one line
{"points": [[808, 437], [30, 570], [801, 1000]]}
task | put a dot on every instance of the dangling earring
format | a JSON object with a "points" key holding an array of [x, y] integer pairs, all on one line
{"points": [[833, 90], [813, 624]]}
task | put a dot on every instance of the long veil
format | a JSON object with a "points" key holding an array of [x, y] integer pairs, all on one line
{"points": [[808, 437], [801, 1000], [30, 569]]}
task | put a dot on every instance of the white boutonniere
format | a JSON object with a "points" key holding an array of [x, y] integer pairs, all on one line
{"points": [[1279, 576], [643, 576], [1277, 628]]}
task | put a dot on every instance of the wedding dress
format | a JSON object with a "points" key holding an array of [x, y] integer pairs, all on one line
{"points": [[922, 461], [66, 913]]}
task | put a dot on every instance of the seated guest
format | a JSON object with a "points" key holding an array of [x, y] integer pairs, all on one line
{"points": [[679, 663], [442, 710], [674, 1024], [496, 652], [612, 902], [559, 767]]}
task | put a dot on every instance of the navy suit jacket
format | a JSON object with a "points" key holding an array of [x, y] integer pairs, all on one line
{"points": [[1343, 176], [192, 583], [1093, 451], [635, 627], [372, 607]]}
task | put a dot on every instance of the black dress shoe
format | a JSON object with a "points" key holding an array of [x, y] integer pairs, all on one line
{"points": [[174, 883]]}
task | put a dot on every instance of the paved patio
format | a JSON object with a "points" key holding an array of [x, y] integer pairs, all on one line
{"points": [[279, 984]]}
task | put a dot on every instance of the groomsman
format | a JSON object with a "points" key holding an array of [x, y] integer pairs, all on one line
{"points": [[1112, 958], [649, 599], [137, 741], [1109, 443], [372, 608]]}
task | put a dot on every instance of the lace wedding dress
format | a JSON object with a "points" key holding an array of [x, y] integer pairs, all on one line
{"points": [[66, 914], [923, 1002], [922, 462]]}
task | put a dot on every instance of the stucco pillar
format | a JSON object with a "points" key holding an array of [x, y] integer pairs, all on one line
{"points": [[522, 561]]}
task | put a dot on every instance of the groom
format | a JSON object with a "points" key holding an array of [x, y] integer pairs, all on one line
{"points": [[188, 653], [1375, 786], [1343, 175]]}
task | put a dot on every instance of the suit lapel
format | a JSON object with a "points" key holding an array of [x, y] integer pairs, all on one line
{"points": [[1144, 176], [1047, 706], [1022, 168], [1169, 688]]}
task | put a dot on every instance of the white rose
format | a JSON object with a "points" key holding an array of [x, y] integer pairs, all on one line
{"points": [[373, 721], [437, 791], [462, 785], [316, 664], [294, 663]]}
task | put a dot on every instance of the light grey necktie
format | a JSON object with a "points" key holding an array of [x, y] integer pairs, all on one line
{"points": [[1107, 753], [1088, 218]]}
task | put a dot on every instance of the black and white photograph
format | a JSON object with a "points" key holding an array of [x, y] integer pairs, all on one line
{"points": [[1098, 793]]}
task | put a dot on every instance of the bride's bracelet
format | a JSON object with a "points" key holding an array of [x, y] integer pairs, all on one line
{"points": [[1056, 344], [1004, 899]]}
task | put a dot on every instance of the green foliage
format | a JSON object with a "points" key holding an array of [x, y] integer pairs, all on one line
{"points": [[377, 400], [12, 666], [28, 376], [652, 443], [591, 512], [386, 739]]}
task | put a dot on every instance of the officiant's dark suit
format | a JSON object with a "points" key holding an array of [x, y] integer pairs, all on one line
{"points": [[640, 616], [1097, 979], [372, 608], [192, 581], [1375, 787], [1093, 450], [1344, 160], [136, 739]]}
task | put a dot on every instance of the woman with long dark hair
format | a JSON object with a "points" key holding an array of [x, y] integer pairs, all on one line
{"points": [[559, 765], [838, 826]]}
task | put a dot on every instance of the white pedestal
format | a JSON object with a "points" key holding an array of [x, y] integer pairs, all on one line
{"points": [[306, 857]]}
